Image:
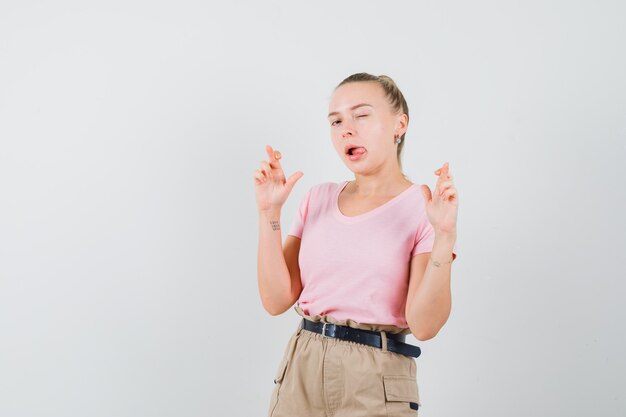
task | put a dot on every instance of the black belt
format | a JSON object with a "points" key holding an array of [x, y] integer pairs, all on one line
{"points": [[395, 342]]}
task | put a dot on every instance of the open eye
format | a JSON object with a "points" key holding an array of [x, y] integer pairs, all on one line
{"points": [[336, 121]]}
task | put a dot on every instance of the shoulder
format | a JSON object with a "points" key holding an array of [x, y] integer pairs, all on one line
{"points": [[317, 194], [324, 188], [418, 194]]}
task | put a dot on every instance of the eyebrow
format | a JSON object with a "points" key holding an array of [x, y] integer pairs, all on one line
{"points": [[351, 108]]}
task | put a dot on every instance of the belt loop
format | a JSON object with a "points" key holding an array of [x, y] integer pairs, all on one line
{"points": [[383, 339]]}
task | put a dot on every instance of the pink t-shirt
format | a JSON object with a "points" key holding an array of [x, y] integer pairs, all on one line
{"points": [[357, 267]]}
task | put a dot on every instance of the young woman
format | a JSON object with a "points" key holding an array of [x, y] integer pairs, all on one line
{"points": [[367, 261]]}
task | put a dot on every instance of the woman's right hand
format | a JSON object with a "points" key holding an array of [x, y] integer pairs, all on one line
{"points": [[270, 184]]}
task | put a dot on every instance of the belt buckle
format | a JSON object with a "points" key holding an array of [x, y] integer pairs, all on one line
{"points": [[324, 329]]}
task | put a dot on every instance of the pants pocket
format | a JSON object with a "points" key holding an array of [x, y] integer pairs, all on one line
{"points": [[401, 395], [278, 379], [280, 374], [281, 371]]}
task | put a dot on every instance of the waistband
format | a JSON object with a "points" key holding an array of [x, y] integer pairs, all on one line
{"points": [[394, 342], [387, 328]]}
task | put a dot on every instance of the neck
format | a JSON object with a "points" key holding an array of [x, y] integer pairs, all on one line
{"points": [[368, 185]]}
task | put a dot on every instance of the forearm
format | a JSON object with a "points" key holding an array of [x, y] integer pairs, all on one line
{"points": [[273, 275], [430, 307]]}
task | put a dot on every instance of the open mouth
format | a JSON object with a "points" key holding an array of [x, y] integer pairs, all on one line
{"points": [[356, 150], [355, 153]]}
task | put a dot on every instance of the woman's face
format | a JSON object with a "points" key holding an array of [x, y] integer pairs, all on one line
{"points": [[360, 116]]}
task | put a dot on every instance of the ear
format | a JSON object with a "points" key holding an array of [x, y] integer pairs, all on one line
{"points": [[402, 123]]}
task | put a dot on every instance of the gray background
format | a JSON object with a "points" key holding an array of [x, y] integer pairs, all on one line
{"points": [[130, 131]]}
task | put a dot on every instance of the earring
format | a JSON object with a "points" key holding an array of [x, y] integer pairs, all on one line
{"points": [[397, 139]]}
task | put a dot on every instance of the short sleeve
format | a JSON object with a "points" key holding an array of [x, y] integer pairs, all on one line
{"points": [[425, 239], [297, 226]]}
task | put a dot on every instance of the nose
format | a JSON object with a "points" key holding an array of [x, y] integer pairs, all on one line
{"points": [[346, 131]]}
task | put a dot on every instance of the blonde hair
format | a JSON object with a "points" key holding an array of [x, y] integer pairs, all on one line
{"points": [[394, 96]]}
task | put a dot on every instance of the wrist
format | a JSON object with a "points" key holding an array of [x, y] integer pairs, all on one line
{"points": [[271, 212], [445, 237]]}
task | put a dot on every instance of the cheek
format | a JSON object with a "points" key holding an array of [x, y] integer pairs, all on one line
{"points": [[380, 130], [337, 144], [377, 135]]}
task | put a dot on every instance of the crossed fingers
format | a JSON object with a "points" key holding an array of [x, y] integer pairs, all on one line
{"points": [[445, 186], [272, 168]]}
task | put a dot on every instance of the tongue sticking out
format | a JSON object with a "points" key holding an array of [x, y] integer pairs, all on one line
{"points": [[358, 151]]}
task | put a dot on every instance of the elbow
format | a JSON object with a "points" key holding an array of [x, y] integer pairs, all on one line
{"points": [[275, 309], [277, 306], [279, 311], [422, 334], [272, 310]]}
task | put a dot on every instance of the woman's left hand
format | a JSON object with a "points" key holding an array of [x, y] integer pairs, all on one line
{"points": [[442, 208]]}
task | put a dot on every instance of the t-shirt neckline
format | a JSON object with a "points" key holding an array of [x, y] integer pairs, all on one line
{"points": [[350, 219]]}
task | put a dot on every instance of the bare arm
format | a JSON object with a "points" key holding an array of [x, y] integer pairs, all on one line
{"points": [[277, 267], [278, 273], [429, 298]]}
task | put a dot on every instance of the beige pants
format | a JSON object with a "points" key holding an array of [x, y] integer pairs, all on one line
{"points": [[320, 376]]}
